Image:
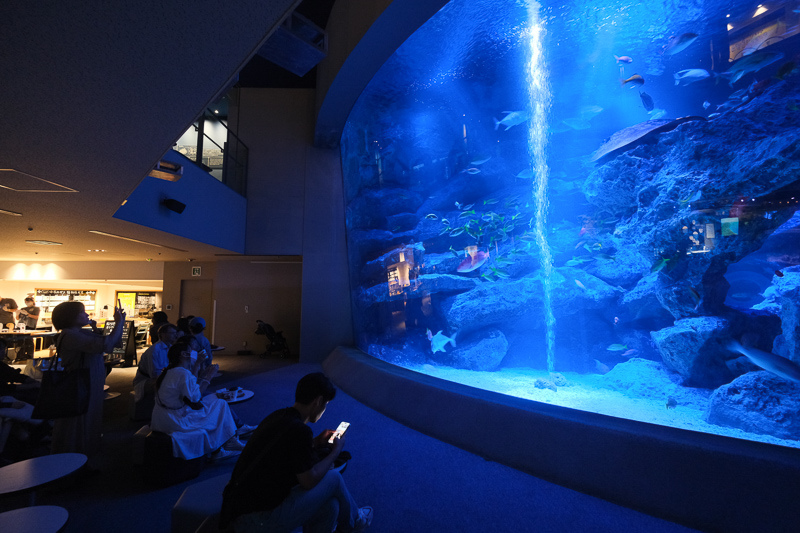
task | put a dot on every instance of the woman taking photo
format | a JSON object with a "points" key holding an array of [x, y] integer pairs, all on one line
{"points": [[83, 348], [197, 425]]}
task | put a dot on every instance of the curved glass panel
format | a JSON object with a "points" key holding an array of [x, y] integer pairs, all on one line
{"points": [[589, 204]]}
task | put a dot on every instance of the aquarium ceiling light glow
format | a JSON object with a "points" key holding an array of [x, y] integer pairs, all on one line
{"points": [[761, 10]]}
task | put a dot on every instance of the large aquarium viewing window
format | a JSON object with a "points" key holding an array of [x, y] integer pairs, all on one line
{"points": [[590, 204]]}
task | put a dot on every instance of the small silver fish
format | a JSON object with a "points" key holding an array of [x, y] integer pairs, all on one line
{"points": [[706, 104]]}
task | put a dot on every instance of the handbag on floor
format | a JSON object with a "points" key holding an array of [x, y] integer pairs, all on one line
{"points": [[64, 393]]}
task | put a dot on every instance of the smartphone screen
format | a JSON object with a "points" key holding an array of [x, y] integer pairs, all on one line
{"points": [[339, 431]]}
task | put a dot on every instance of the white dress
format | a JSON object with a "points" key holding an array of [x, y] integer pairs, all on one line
{"points": [[194, 432]]}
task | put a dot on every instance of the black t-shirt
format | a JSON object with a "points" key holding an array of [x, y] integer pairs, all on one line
{"points": [[7, 317], [265, 480]]}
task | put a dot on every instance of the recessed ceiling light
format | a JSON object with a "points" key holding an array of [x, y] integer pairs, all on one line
{"points": [[45, 243], [12, 213]]}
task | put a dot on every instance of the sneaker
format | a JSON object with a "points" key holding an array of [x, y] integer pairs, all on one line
{"points": [[245, 429], [364, 519], [233, 444], [224, 454]]}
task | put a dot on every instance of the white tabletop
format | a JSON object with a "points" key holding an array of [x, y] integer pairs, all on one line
{"points": [[36, 519], [32, 473]]}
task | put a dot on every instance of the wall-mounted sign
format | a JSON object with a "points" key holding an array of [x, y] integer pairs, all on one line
{"points": [[196, 271]]}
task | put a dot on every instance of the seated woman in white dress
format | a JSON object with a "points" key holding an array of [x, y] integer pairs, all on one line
{"points": [[197, 425]]}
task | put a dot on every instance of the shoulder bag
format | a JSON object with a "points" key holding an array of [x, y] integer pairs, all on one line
{"points": [[64, 393]]}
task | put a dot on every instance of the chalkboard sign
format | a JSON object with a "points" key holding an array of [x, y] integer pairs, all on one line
{"points": [[128, 348]]}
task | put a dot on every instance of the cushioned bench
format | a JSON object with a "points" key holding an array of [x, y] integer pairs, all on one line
{"points": [[199, 503], [153, 451]]}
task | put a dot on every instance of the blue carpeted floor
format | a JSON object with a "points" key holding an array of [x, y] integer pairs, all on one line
{"points": [[415, 483]]}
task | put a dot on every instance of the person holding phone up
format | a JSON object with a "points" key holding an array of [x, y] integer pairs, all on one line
{"points": [[83, 348], [280, 482]]}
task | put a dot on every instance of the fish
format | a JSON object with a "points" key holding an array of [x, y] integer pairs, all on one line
{"points": [[580, 285], [577, 123], [647, 101], [788, 68], [473, 262], [432, 216], [588, 111], [751, 63], [714, 115], [779, 273], [691, 75], [490, 201], [659, 265], [629, 353], [472, 171], [657, 113], [679, 43], [439, 341], [480, 161], [695, 294], [672, 403], [512, 118], [617, 347], [635, 81], [526, 174], [706, 104], [780, 366], [601, 367], [623, 59]]}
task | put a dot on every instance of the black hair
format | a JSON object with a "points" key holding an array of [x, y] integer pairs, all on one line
{"points": [[65, 314], [312, 386], [160, 316], [174, 357], [164, 327]]}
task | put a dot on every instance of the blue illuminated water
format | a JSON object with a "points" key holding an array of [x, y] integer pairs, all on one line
{"points": [[526, 216]]}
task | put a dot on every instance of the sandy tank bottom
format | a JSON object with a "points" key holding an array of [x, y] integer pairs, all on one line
{"points": [[638, 389]]}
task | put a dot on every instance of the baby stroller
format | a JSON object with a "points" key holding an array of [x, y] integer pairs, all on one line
{"points": [[275, 340]]}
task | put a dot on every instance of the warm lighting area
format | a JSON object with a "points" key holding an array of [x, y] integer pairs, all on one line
{"points": [[35, 272], [760, 11]]}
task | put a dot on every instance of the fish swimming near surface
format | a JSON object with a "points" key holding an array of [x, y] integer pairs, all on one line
{"points": [[770, 362], [691, 75], [647, 101], [473, 262], [751, 63], [439, 341], [679, 43], [623, 59], [634, 81], [672, 403], [512, 118]]}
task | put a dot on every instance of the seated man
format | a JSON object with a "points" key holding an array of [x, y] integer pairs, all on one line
{"points": [[280, 482], [196, 326], [152, 362]]}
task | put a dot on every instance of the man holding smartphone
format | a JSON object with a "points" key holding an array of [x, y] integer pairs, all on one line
{"points": [[280, 483]]}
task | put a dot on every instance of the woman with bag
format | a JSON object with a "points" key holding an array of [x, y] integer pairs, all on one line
{"points": [[82, 348]]}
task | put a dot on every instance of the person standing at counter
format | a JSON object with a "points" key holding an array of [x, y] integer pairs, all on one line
{"points": [[28, 315], [8, 307], [82, 348]]}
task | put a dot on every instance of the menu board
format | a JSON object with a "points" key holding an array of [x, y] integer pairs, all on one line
{"points": [[138, 304], [128, 331], [48, 299]]}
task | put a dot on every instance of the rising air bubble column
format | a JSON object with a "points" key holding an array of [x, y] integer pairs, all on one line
{"points": [[539, 92]]}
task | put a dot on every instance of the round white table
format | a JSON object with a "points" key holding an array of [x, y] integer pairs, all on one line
{"points": [[30, 474], [37, 519], [246, 395]]}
